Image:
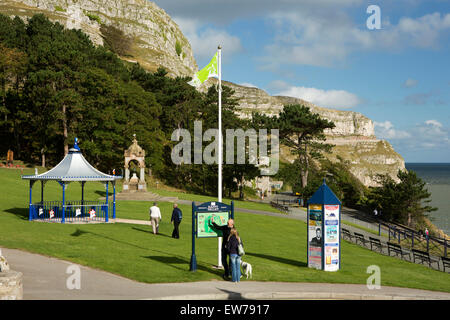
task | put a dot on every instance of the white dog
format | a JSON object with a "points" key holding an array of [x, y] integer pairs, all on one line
{"points": [[247, 268]]}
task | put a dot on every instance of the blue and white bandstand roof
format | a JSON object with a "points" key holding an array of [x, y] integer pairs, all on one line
{"points": [[74, 167]]}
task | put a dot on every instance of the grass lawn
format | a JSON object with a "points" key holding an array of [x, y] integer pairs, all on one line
{"points": [[275, 246], [237, 203]]}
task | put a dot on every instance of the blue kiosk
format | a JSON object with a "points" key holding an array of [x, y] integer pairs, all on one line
{"points": [[324, 220]]}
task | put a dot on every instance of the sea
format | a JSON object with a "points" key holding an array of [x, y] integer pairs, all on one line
{"points": [[437, 177]]}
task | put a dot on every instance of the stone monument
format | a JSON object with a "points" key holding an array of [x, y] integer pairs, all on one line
{"points": [[134, 152]]}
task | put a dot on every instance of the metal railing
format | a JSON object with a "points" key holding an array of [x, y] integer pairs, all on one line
{"points": [[74, 211], [415, 240]]}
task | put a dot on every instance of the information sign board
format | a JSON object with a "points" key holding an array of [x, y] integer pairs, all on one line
{"points": [[204, 227]]}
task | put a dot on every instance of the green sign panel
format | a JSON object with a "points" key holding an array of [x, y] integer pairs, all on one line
{"points": [[204, 226]]}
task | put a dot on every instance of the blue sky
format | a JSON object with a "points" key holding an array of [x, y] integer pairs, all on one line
{"points": [[323, 51]]}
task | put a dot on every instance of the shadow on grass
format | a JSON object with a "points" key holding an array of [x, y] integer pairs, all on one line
{"points": [[103, 193], [168, 259], [22, 213], [277, 259], [79, 232], [151, 232]]}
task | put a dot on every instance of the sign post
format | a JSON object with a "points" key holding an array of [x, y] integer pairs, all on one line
{"points": [[201, 226], [323, 220], [193, 263]]}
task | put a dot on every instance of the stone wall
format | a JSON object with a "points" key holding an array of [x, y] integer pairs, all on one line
{"points": [[11, 287]]}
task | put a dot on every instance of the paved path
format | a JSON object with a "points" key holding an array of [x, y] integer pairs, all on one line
{"points": [[45, 278]]}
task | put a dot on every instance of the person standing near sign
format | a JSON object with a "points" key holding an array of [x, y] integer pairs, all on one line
{"points": [[225, 234], [155, 217], [176, 220], [235, 258]]}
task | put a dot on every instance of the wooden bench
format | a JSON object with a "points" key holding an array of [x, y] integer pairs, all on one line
{"points": [[423, 256], [279, 206], [445, 262], [360, 238], [346, 234], [397, 249], [375, 243]]}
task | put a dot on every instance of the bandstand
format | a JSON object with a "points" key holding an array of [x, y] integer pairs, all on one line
{"points": [[73, 168]]}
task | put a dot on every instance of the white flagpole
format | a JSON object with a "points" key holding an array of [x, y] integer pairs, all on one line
{"points": [[219, 62]]}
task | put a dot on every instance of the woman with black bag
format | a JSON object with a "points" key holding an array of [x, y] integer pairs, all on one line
{"points": [[235, 259]]}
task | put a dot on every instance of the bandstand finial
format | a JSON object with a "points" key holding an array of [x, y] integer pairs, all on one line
{"points": [[75, 144]]}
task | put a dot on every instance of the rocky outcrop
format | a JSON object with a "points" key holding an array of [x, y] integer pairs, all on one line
{"points": [[347, 123], [156, 40]]}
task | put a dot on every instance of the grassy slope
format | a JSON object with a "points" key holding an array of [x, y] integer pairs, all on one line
{"points": [[276, 247], [237, 203]]}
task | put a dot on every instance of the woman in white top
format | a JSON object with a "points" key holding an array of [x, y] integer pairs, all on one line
{"points": [[155, 217]]}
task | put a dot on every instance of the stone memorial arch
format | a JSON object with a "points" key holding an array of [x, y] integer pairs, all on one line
{"points": [[136, 153]]}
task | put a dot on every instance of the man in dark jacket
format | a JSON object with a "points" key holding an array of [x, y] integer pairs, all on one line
{"points": [[176, 220], [225, 234]]}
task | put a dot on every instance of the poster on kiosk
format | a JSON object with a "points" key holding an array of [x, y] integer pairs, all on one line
{"points": [[323, 222]]}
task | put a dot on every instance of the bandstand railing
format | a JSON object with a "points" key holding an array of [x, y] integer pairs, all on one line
{"points": [[74, 211]]}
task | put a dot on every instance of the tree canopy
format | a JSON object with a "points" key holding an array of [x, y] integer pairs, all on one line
{"points": [[406, 201]]}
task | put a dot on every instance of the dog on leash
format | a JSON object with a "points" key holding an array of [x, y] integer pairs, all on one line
{"points": [[247, 268]]}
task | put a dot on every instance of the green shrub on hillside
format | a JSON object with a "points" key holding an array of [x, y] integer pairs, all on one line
{"points": [[178, 48]]}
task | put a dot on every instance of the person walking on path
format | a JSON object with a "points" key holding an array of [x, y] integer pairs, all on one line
{"points": [[177, 215], [155, 217], [235, 258], [225, 234]]}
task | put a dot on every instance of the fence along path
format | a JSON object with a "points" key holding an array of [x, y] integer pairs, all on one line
{"points": [[407, 238]]}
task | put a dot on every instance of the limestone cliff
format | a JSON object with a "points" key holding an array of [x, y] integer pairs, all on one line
{"points": [[156, 40]]}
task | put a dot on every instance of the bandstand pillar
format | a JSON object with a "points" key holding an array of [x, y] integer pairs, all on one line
{"points": [[114, 199], [30, 217], [63, 217], [107, 204]]}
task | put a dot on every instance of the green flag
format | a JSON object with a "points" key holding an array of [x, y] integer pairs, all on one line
{"points": [[210, 70]]}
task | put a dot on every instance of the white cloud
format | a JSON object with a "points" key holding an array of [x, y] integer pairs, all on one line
{"points": [[339, 99], [204, 41], [386, 130], [247, 84], [278, 85], [432, 134], [409, 83], [327, 37], [433, 123], [429, 135], [222, 12], [423, 31]]}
